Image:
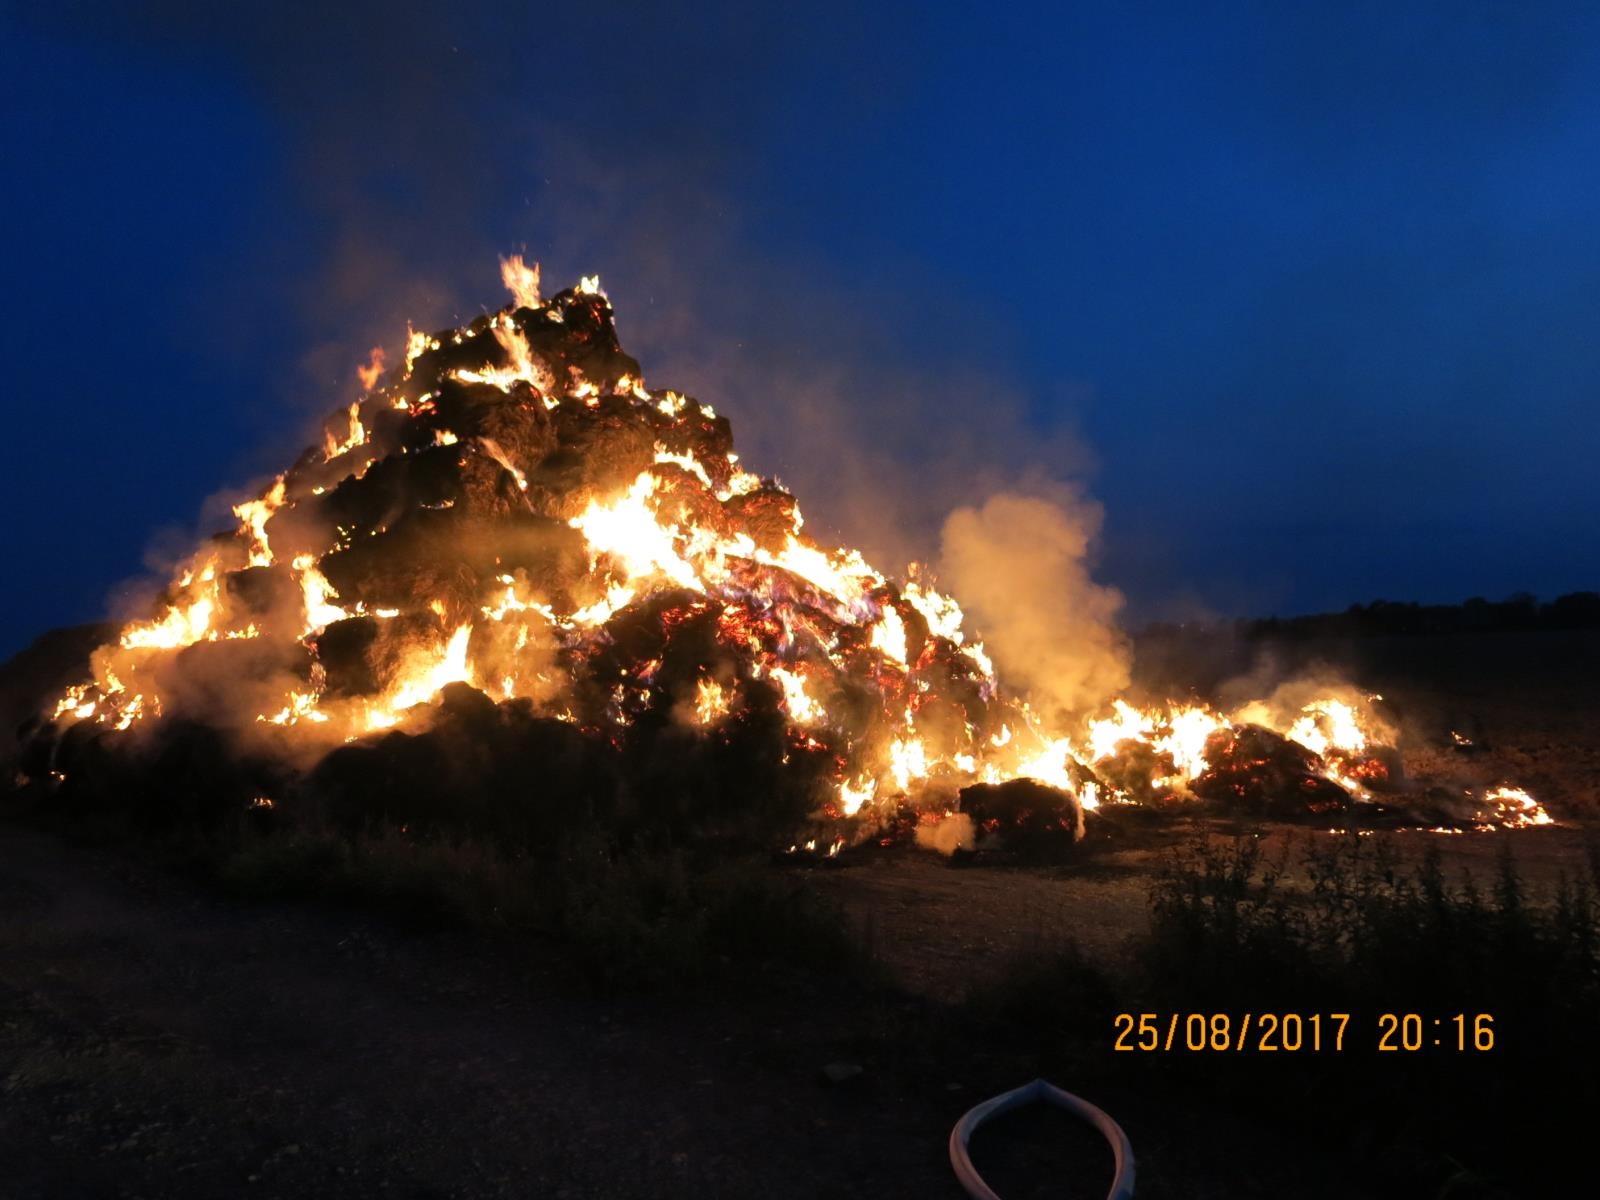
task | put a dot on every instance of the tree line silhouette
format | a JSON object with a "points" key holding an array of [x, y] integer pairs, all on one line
{"points": [[1519, 611]]}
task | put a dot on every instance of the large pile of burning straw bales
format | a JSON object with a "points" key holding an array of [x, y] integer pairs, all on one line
{"points": [[511, 581]]}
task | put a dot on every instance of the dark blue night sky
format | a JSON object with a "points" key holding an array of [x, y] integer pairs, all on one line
{"points": [[1307, 297]]}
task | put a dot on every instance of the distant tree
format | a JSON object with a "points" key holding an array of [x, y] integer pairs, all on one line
{"points": [[1575, 610], [1520, 610]]}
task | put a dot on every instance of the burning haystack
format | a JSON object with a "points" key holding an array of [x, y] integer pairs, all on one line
{"points": [[511, 580]]}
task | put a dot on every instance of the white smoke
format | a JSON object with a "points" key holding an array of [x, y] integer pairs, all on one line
{"points": [[953, 833], [1018, 566]]}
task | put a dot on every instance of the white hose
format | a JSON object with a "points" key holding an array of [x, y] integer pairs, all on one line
{"points": [[1034, 1093]]}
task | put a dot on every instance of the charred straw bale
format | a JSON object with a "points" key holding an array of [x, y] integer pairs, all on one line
{"points": [[496, 772], [1257, 772], [584, 342], [219, 682], [521, 425], [708, 438], [264, 596], [766, 514], [183, 774], [743, 781], [346, 651], [1028, 815], [600, 452]]}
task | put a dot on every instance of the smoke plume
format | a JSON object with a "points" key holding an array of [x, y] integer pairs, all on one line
{"points": [[1019, 565]]}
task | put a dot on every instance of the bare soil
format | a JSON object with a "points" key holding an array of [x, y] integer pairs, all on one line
{"points": [[158, 1041], [942, 929]]}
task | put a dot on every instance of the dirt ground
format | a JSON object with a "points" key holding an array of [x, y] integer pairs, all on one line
{"points": [[158, 1041], [941, 928]]}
